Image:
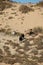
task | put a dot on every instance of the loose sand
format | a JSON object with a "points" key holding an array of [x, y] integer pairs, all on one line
{"points": [[29, 51]]}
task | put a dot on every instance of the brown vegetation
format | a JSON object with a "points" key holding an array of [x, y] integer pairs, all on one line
{"points": [[40, 4], [4, 5], [25, 9], [38, 30], [1, 58], [1, 52]]}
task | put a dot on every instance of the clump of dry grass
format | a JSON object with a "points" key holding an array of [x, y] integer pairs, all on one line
{"points": [[41, 53], [6, 49], [25, 9], [39, 43], [40, 4], [34, 58], [1, 13], [8, 31], [10, 42], [2, 30], [7, 43], [0, 24], [13, 13], [38, 30], [1, 52], [33, 63], [4, 5], [29, 62], [10, 17], [1, 58], [34, 51], [41, 13], [9, 60], [40, 59], [5, 30]]}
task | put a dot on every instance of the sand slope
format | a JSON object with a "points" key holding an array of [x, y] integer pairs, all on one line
{"points": [[15, 52], [19, 21]]}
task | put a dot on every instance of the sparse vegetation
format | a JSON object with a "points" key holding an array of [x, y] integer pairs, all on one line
{"points": [[41, 13], [34, 51], [5, 30], [1, 52], [8, 31], [4, 5], [1, 13], [39, 43], [2, 30], [40, 4], [13, 13], [8, 60], [12, 50], [38, 30], [6, 49], [25, 9], [40, 60], [1, 58], [10, 17]]}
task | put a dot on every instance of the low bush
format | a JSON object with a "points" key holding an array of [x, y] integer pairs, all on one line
{"points": [[38, 30], [4, 5], [25, 9], [40, 4]]}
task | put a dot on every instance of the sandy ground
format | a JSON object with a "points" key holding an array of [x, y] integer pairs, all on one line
{"points": [[27, 52], [22, 22]]}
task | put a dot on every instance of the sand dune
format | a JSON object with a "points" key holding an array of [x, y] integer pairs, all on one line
{"points": [[12, 23]]}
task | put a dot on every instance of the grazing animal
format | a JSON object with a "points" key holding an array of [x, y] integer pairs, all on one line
{"points": [[21, 37], [31, 32]]}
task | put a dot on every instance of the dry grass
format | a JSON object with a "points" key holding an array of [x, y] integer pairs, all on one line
{"points": [[38, 30], [41, 13], [34, 58], [1, 52], [4, 5], [30, 62], [1, 58], [2, 30], [8, 60], [13, 13], [40, 60], [40, 4], [41, 53], [10, 17], [7, 43], [21, 51], [34, 51], [25, 9], [6, 30], [1, 13], [6, 49], [39, 43]]}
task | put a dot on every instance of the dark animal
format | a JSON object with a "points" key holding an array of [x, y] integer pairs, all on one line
{"points": [[31, 32], [21, 37]]}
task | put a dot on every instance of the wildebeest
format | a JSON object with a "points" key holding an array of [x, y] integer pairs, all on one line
{"points": [[21, 37]]}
